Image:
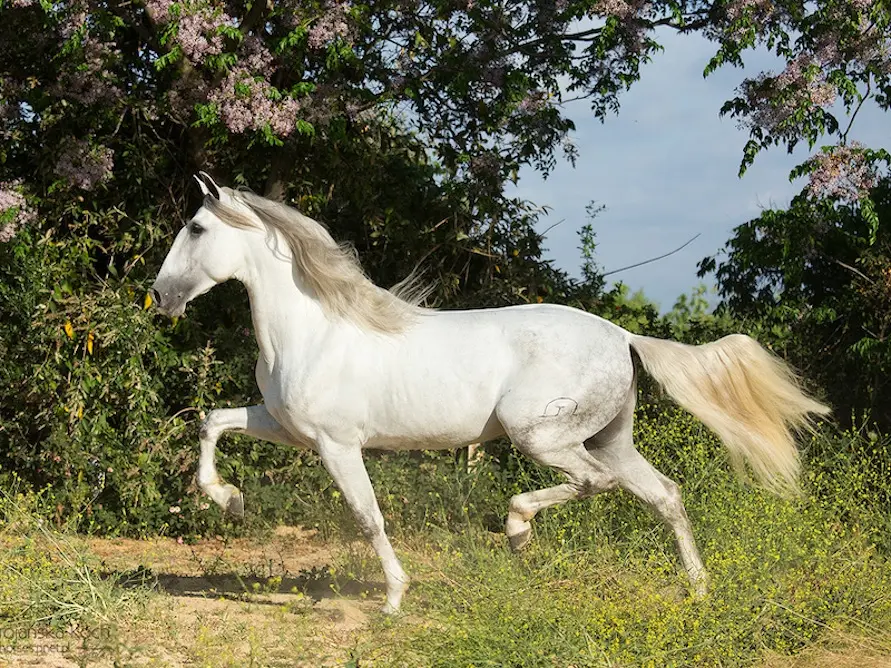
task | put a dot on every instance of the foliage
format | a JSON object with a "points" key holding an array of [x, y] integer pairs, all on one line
{"points": [[599, 584], [396, 123], [814, 281]]}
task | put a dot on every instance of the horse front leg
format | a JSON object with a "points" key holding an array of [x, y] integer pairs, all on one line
{"points": [[253, 421], [345, 465]]}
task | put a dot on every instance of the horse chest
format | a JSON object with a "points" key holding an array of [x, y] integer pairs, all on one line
{"points": [[306, 400]]}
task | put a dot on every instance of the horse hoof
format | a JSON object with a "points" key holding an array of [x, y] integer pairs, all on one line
{"points": [[235, 506], [520, 540]]}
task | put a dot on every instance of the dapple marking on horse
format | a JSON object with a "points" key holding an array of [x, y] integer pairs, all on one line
{"points": [[345, 365]]}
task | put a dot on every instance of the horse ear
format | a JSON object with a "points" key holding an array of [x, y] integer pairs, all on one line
{"points": [[204, 189], [207, 185]]}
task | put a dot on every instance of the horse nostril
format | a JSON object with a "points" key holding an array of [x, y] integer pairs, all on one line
{"points": [[156, 296]]}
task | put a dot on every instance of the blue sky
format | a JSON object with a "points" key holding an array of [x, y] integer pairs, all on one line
{"points": [[666, 169]]}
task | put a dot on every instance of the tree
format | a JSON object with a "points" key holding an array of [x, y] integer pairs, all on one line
{"points": [[396, 122], [815, 280], [812, 280]]}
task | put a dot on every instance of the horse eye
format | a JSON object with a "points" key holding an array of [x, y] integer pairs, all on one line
{"points": [[195, 229]]}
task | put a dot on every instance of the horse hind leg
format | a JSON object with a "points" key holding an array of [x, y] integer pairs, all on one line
{"points": [[523, 507], [586, 477], [614, 448]]}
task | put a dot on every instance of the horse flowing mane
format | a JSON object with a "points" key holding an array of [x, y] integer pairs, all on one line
{"points": [[331, 270]]}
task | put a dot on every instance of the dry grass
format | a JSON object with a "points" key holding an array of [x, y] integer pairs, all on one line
{"points": [[872, 649]]}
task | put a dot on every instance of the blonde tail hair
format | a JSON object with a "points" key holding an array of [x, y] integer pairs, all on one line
{"points": [[749, 397]]}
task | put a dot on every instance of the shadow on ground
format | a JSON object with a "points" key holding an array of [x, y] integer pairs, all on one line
{"points": [[315, 583]]}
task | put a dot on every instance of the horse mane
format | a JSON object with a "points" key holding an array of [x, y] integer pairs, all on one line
{"points": [[331, 270]]}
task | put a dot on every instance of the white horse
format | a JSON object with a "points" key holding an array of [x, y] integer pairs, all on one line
{"points": [[345, 365]]}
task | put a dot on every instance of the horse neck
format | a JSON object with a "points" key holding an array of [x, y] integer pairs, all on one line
{"points": [[282, 312]]}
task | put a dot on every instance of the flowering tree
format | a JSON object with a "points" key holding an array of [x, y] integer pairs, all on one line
{"points": [[479, 81], [815, 277], [836, 53], [396, 121]]}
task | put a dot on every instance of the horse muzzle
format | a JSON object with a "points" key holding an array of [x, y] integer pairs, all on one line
{"points": [[169, 300]]}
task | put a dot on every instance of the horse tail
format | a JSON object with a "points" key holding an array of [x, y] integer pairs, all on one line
{"points": [[750, 398]]}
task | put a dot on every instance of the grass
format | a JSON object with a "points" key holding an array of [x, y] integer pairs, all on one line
{"points": [[795, 583], [52, 596], [600, 585], [554, 606]]}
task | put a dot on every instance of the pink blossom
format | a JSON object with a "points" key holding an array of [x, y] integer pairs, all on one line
{"points": [[159, 10], [197, 36], [628, 12], [533, 102], [759, 11], [11, 199], [871, 46], [23, 3], [245, 98], [743, 16], [775, 98], [92, 81], [8, 112], [83, 166], [198, 27], [9, 107], [623, 9], [827, 51], [485, 166], [248, 102], [254, 55], [322, 104], [291, 13], [868, 46], [184, 94], [73, 22], [841, 172], [332, 24]]}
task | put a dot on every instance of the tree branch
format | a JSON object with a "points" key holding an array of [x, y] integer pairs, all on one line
{"points": [[255, 15], [275, 180], [844, 135], [652, 259]]}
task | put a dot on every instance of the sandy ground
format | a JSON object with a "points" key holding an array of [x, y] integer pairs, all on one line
{"points": [[225, 603]]}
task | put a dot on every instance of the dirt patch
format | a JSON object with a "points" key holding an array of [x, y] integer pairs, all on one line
{"points": [[273, 602], [288, 601], [289, 551]]}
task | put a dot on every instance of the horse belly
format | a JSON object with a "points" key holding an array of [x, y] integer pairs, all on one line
{"points": [[432, 421]]}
